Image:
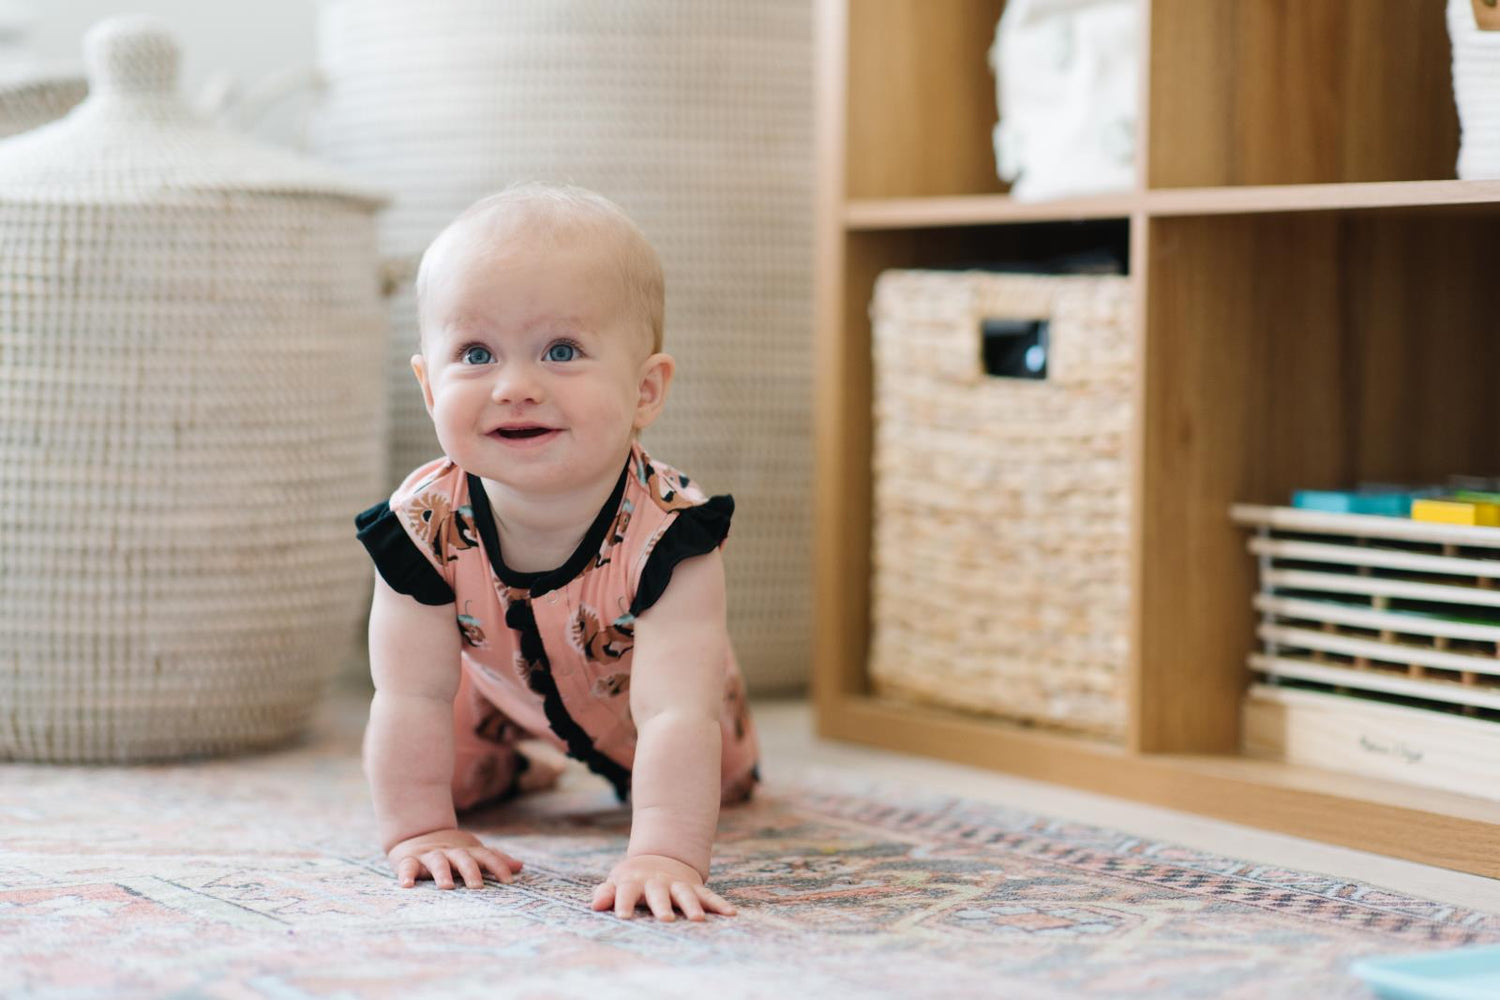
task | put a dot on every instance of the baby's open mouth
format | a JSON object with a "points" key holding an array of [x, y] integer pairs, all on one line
{"points": [[523, 432]]}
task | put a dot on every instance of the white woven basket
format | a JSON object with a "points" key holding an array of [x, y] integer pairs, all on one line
{"points": [[33, 99], [1001, 546], [191, 345], [33, 90], [696, 118]]}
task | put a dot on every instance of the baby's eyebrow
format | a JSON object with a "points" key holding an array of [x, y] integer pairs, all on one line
{"points": [[476, 326], [465, 325], [555, 324]]}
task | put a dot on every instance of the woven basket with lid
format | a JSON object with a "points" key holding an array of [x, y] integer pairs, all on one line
{"points": [[191, 353], [33, 91]]}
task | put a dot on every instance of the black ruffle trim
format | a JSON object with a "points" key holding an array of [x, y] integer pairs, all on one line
{"points": [[520, 617], [696, 530], [396, 556]]}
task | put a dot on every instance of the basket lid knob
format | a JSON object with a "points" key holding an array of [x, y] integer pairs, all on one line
{"points": [[132, 54]]}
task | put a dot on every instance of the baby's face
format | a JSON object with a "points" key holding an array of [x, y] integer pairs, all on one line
{"points": [[534, 366]]}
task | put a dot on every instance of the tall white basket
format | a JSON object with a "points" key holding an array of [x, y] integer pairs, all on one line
{"points": [[191, 347], [697, 118], [33, 90]]}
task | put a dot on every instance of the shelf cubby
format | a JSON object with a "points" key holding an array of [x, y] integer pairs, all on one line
{"points": [[1282, 92], [921, 98], [1286, 351], [1315, 310]]}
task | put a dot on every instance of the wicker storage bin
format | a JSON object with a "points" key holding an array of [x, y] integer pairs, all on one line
{"points": [[1379, 647], [32, 96], [694, 117], [191, 345], [1002, 505], [33, 91]]}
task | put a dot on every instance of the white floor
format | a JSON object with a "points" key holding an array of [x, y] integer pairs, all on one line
{"points": [[789, 746]]}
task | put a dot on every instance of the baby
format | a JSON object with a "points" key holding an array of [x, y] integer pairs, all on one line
{"points": [[546, 579]]}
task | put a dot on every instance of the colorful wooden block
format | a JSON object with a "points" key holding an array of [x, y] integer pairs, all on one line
{"points": [[1474, 496], [1380, 503], [1456, 512]]}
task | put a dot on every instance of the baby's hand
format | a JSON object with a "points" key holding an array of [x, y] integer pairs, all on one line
{"points": [[431, 855], [663, 882]]}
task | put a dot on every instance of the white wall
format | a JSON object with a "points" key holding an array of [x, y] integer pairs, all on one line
{"points": [[248, 39]]}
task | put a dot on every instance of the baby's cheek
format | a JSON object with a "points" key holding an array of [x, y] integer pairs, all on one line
{"points": [[449, 421]]}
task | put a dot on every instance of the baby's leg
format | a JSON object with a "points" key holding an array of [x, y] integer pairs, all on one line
{"points": [[740, 764], [739, 760], [487, 763]]}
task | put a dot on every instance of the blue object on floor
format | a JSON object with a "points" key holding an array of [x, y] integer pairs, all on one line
{"points": [[1384, 504], [1457, 974]]}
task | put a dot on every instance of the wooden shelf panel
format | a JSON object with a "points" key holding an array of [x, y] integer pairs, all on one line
{"points": [[1293, 92], [873, 214], [1419, 824], [1321, 197], [981, 210]]}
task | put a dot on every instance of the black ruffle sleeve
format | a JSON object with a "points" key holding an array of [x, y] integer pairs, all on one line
{"points": [[397, 558], [696, 530]]}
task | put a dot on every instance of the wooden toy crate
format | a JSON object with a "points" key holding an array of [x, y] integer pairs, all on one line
{"points": [[1001, 539], [1379, 647]]}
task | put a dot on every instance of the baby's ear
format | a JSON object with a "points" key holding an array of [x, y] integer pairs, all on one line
{"points": [[419, 368], [656, 378]]}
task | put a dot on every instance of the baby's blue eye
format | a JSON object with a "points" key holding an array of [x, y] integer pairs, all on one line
{"points": [[476, 355], [562, 352]]}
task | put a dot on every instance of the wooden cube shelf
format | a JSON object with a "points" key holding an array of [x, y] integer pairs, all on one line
{"points": [[1314, 308]]}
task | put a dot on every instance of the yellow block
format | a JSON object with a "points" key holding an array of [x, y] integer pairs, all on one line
{"points": [[1456, 512]]}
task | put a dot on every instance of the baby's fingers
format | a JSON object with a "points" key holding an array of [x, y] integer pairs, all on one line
{"points": [[714, 902], [682, 895], [468, 867], [659, 899], [604, 896], [407, 872], [502, 866], [626, 896], [437, 864]]}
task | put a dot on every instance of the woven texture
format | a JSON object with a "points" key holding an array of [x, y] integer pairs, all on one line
{"points": [[1476, 91], [27, 101], [1002, 505], [693, 116], [190, 365], [33, 90]]}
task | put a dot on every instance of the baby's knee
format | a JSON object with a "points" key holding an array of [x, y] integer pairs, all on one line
{"points": [[739, 790]]}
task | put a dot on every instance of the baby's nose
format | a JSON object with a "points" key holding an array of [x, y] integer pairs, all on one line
{"points": [[516, 384]]}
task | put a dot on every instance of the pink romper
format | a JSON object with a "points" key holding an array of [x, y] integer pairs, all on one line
{"points": [[548, 655]]}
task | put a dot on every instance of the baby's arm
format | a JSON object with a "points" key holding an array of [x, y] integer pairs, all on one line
{"points": [[414, 660], [676, 695]]}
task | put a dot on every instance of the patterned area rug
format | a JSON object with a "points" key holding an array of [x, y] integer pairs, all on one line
{"points": [[257, 877]]}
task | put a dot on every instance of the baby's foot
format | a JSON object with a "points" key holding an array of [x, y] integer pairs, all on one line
{"points": [[542, 766]]}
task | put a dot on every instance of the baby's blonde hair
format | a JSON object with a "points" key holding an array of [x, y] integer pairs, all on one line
{"points": [[549, 209]]}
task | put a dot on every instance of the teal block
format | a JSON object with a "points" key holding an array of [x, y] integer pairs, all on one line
{"points": [[1381, 504]]}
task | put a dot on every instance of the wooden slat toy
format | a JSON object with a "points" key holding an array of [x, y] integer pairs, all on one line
{"points": [[1361, 610]]}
